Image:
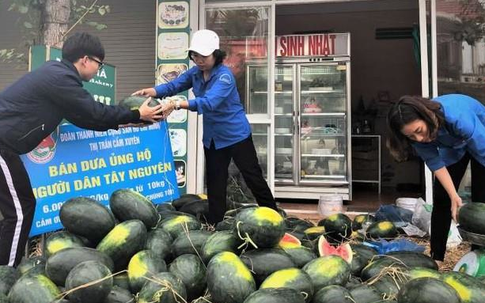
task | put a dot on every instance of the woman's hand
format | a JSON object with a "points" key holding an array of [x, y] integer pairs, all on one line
{"points": [[146, 92], [151, 114], [456, 203]]}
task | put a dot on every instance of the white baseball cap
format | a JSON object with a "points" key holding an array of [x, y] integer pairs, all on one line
{"points": [[204, 42]]}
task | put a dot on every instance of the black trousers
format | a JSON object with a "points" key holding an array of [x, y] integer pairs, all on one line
{"points": [[217, 163], [441, 214], [17, 204]]}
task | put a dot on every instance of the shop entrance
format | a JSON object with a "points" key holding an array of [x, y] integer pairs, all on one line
{"points": [[384, 61]]}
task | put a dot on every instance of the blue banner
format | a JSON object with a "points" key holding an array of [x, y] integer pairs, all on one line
{"points": [[74, 162]]}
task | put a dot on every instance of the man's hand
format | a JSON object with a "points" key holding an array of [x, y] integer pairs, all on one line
{"points": [[456, 203], [146, 92], [168, 108], [151, 114]]}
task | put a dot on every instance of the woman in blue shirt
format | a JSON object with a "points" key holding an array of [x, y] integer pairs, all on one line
{"points": [[227, 133], [447, 132]]}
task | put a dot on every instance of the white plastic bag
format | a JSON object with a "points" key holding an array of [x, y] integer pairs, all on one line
{"points": [[422, 215], [454, 237]]}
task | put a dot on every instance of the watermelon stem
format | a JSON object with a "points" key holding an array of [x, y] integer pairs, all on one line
{"points": [[247, 239], [185, 227], [166, 287]]}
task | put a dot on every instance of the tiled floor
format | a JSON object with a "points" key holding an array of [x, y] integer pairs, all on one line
{"points": [[363, 201]]}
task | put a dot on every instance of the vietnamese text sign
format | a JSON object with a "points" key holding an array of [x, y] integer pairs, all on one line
{"points": [[313, 45], [75, 162]]}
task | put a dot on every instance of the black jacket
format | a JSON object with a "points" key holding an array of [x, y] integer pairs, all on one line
{"points": [[32, 107]]}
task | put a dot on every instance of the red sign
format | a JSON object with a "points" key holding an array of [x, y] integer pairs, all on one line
{"points": [[313, 45]]}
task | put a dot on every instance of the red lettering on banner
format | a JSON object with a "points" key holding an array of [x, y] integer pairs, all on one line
{"points": [[333, 37], [283, 51]]}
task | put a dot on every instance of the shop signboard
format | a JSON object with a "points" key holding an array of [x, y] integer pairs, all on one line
{"points": [[313, 45], [173, 29]]}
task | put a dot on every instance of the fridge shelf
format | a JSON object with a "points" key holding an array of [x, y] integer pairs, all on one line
{"points": [[336, 114], [323, 156], [334, 91], [324, 176]]}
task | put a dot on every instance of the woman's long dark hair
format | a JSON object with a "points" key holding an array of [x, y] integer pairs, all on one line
{"points": [[405, 111]]}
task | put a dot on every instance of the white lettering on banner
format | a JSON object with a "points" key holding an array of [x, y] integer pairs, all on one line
{"points": [[313, 45]]}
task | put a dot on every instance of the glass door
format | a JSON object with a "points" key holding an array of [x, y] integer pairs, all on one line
{"points": [[323, 133], [284, 113]]}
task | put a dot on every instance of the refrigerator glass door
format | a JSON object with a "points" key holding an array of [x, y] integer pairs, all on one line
{"points": [[284, 113], [323, 123]]}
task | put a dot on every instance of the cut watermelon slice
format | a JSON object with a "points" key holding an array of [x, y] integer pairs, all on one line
{"points": [[343, 250], [289, 241]]}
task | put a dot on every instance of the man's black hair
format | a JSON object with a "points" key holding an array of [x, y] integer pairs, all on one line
{"points": [[80, 45]]}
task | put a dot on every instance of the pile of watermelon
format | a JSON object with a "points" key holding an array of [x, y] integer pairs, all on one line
{"points": [[135, 251]]}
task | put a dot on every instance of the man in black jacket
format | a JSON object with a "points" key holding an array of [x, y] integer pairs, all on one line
{"points": [[32, 108]]}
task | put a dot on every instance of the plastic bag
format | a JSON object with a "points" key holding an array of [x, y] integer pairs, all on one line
{"points": [[422, 216], [394, 214], [454, 237], [382, 246]]}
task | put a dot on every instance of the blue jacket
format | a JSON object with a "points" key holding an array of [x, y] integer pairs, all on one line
{"points": [[217, 99], [32, 107], [464, 130]]}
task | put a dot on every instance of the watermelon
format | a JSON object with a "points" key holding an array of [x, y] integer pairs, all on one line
{"points": [[469, 289], [424, 290], [381, 230], [144, 264], [127, 204], [8, 277], [228, 223], [33, 288], [314, 232], [364, 293], [61, 240], [276, 295], [229, 290], [125, 240], [62, 262], [119, 295], [337, 227], [329, 270], [388, 284], [300, 255], [343, 250], [160, 242], [263, 262], [333, 294], [290, 278], [190, 242], [171, 214], [289, 241], [218, 242], [89, 272], [32, 265], [359, 220], [163, 288], [3, 298], [180, 224], [263, 227], [192, 272], [121, 280], [422, 272], [134, 102], [163, 207], [87, 217], [184, 199], [198, 209], [297, 225], [471, 217], [361, 257]]}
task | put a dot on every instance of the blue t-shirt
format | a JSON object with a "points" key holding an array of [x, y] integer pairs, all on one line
{"points": [[217, 99], [464, 130]]}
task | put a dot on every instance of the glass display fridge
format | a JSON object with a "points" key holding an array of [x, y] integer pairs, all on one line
{"points": [[312, 124]]}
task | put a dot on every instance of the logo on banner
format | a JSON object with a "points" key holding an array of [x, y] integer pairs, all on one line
{"points": [[45, 151]]}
